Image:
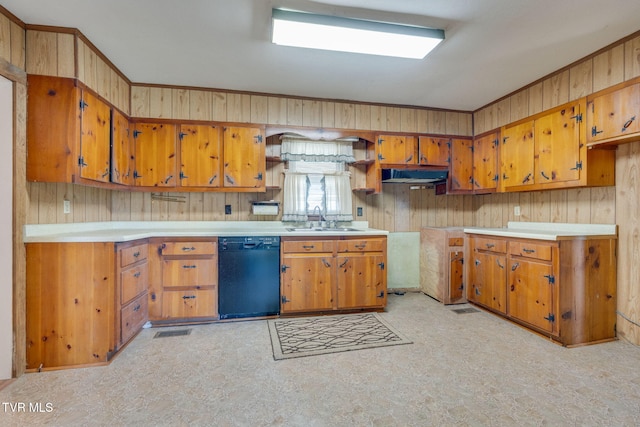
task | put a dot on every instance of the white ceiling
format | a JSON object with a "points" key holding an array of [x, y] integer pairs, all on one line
{"points": [[491, 47]]}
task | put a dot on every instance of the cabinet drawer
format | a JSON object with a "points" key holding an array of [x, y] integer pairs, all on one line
{"points": [[364, 245], [456, 241], [491, 245], [308, 246], [530, 250], [133, 254], [189, 272], [133, 281], [133, 316], [188, 248], [191, 303]]}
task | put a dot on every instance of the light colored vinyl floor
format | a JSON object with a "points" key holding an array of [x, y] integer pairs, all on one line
{"points": [[461, 370]]}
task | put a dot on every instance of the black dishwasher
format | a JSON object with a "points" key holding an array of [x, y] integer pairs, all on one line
{"points": [[248, 276]]}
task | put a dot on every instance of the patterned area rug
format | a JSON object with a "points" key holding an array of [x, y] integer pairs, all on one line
{"points": [[311, 336]]}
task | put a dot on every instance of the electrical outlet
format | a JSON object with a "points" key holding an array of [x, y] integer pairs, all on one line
{"points": [[516, 210], [227, 209], [66, 206], [359, 211]]}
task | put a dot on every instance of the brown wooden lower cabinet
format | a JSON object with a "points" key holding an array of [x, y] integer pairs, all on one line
{"points": [[85, 301], [442, 264], [563, 289], [327, 274], [70, 319], [132, 272], [183, 281]]}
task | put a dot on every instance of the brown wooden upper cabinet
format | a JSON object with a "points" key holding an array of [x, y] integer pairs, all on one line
{"points": [[614, 115], [485, 163], [548, 151], [68, 132], [200, 156], [397, 150], [517, 154], [95, 138], [461, 167], [155, 148], [244, 157], [433, 151], [122, 150]]}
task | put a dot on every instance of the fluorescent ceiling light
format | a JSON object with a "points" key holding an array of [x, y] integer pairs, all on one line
{"points": [[301, 29]]}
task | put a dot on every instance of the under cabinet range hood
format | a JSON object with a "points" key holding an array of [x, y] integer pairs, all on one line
{"points": [[413, 176]]}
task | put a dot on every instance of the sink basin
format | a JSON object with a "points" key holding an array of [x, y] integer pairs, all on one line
{"points": [[314, 229]]}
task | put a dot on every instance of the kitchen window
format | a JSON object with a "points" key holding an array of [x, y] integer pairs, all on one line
{"points": [[316, 183]]}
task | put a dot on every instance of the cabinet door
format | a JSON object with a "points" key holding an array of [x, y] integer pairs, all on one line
{"points": [[122, 156], [199, 156], [189, 304], [244, 157], [487, 280], [399, 150], [361, 280], [461, 168], [530, 293], [307, 282], [433, 151], [485, 162], [53, 128], [95, 139], [456, 277], [155, 148], [517, 153], [557, 139], [614, 114]]}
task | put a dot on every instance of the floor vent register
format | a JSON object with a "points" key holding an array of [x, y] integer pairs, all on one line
{"points": [[174, 333]]}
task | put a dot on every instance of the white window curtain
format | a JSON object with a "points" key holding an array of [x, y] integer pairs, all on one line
{"points": [[296, 188], [298, 148], [338, 197], [316, 182]]}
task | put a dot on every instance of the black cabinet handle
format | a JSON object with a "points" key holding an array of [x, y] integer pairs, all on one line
{"points": [[189, 297], [188, 266]]}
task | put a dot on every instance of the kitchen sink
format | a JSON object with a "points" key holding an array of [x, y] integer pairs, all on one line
{"points": [[336, 229]]}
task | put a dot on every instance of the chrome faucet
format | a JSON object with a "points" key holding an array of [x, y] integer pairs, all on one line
{"points": [[321, 217]]}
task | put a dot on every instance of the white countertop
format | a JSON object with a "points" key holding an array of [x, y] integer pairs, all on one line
{"points": [[548, 230], [123, 231]]}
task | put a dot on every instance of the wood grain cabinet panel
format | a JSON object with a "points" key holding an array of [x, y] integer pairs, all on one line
{"points": [[155, 155], [397, 149], [361, 280], [200, 156], [190, 304], [244, 157], [433, 151], [557, 140], [123, 152], [95, 139], [306, 282], [442, 273], [614, 115], [517, 155], [70, 304], [485, 163], [461, 167]]}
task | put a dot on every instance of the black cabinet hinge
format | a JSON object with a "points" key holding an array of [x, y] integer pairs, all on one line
{"points": [[181, 135], [381, 265], [577, 117], [258, 138], [136, 133], [284, 299], [81, 162], [551, 318], [83, 105], [578, 166], [551, 278]]}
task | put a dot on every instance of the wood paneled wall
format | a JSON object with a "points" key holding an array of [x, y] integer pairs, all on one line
{"points": [[12, 66], [619, 204]]}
